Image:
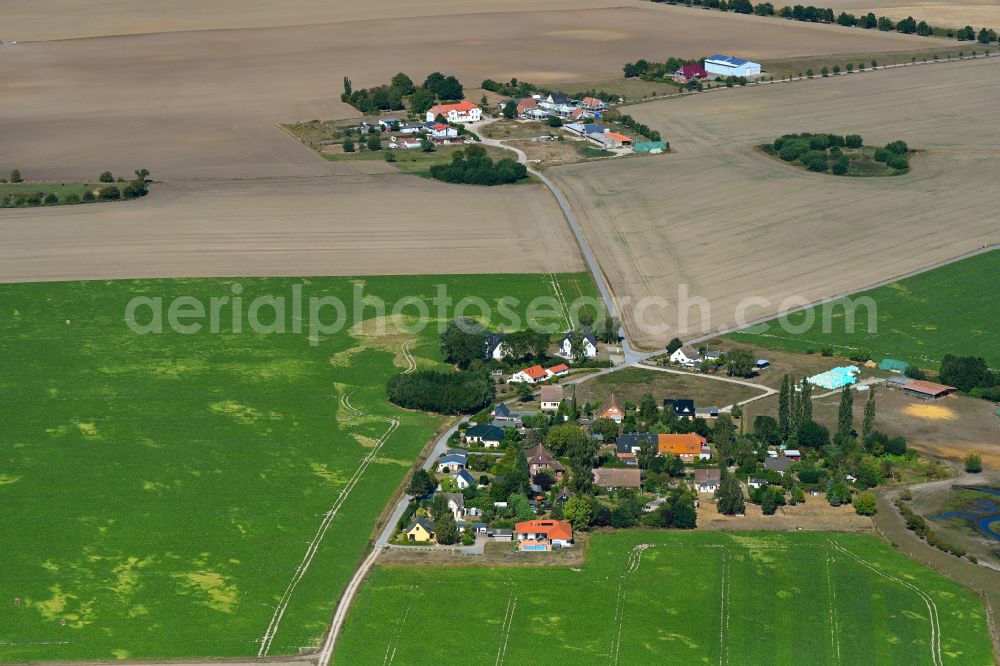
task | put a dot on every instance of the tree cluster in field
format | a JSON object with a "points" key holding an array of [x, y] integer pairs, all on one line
{"points": [[472, 166], [826, 152], [108, 191], [631, 123], [649, 70], [441, 392], [391, 96], [869, 21], [869, 457]]}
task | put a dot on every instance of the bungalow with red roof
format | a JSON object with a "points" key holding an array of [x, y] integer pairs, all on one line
{"points": [[440, 130], [462, 112], [532, 375], [560, 370], [525, 105], [592, 104]]}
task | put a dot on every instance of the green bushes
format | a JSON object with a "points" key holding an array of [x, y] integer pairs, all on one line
{"points": [[898, 162], [442, 392], [473, 166], [839, 154]]}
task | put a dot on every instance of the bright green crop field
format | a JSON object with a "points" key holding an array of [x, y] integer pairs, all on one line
{"points": [[161, 492], [647, 597], [949, 310]]}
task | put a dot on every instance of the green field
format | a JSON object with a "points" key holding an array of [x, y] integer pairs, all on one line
{"points": [[949, 310], [647, 597], [160, 491]]}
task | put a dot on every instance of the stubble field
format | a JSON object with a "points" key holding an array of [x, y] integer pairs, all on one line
{"points": [[203, 103], [728, 223], [166, 495], [376, 223], [670, 598]]}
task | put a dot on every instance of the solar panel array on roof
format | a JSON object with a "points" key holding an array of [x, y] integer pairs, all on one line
{"points": [[731, 60]]}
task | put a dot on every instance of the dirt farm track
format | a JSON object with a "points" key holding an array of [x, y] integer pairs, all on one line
{"points": [[688, 220]]}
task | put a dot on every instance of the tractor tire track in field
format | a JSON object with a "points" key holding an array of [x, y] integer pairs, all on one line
{"points": [[411, 363], [634, 560], [390, 650], [558, 292], [931, 606], [724, 609], [324, 526], [834, 628], [508, 620]]}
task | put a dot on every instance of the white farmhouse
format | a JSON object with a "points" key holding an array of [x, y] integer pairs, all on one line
{"points": [[685, 356], [463, 112]]}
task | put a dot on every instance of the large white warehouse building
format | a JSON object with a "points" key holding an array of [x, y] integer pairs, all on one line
{"points": [[723, 65]]}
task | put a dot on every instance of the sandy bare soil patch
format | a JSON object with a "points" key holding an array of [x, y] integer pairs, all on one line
{"points": [[204, 104], [364, 224], [730, 223], [814, 514]]}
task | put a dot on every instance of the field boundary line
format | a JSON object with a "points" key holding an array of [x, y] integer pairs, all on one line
{"points": [[931, 606], [324, 526]]}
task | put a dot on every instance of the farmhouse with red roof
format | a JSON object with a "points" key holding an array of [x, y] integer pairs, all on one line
{"points": [[463, 112]]}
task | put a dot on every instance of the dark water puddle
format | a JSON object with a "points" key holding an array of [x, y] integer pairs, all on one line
{"points": [[980, 514]]}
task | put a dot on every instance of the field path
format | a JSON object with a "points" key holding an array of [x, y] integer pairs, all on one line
{"points": [[634, 560], [932, 609], [324, 526]]}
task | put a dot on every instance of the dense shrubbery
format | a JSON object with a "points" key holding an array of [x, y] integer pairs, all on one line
{"points": [[473, 166], [390, 97], [823, 152], [129, 190], [443, 392], [631, 123], [651, 71]]}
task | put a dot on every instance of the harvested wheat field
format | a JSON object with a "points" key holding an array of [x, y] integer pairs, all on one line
{"points": [[204, 103], [366, 224], [944, 14], [729, 223]]}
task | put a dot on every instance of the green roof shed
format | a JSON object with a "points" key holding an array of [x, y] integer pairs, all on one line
{"points": [[892, 365]]}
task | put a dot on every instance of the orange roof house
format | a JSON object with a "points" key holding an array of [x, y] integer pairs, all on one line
{"points": [[687, 446], [556, 531], [618, 138]]}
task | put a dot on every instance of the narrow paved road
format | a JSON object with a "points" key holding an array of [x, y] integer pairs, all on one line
{"points": [[588, 255]]}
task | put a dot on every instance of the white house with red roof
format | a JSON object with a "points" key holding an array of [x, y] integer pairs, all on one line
{"points": [[463, 112], [532, 375], [611, 411], [440, 130]]}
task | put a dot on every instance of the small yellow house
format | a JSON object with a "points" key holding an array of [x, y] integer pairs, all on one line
{"points": [[420, 530]]}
